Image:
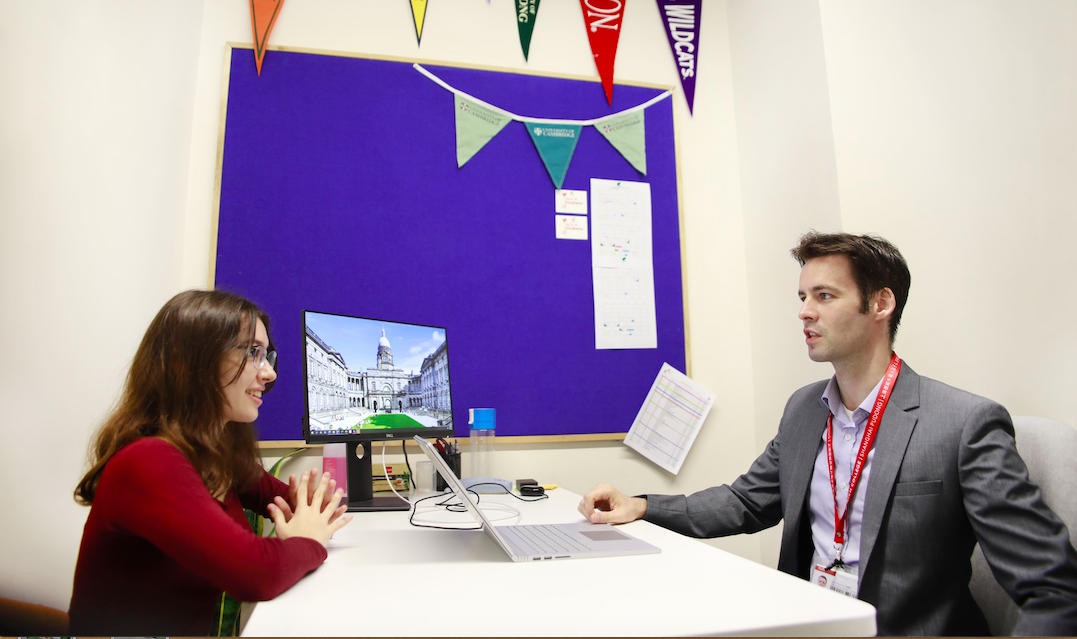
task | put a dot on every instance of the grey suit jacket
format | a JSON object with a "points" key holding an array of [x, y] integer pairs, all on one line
{"points": [[945, 475]]}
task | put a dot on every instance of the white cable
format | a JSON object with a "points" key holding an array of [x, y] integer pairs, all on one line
{"points": [[523, 118], [385, 471]]}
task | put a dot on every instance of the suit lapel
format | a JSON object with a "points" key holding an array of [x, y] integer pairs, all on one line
{"points": [[802, 449], [890, 444]]}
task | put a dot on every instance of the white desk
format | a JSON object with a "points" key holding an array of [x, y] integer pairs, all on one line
{"points": [[384, 577]]}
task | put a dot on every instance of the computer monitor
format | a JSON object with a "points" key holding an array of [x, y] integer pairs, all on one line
{"points": [[370, 379]]}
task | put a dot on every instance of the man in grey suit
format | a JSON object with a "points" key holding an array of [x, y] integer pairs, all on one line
{"points": [[886, 480]]}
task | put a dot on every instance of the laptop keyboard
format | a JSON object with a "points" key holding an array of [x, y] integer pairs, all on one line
{"points": [[549, 539]]}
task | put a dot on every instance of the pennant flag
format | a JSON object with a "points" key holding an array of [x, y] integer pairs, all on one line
{"points": [[475, 126], [526, 14], [603, 21], [555, 143], [263, 17], [626, 134], [418, 14], [682, 20]]}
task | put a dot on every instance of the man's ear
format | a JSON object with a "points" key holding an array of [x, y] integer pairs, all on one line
{"points": [[885, 303]]}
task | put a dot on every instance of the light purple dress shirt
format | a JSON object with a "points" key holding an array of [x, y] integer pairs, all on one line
{"points": [[847, 438]]}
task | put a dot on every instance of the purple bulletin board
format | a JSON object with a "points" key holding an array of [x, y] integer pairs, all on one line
{"points": [[340, 193]]}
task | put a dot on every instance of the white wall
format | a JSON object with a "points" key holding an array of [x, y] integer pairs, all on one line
{"points": [[956, 139], [95, 124], [943, 126]]}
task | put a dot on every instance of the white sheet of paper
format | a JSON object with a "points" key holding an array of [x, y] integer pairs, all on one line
{"points": [[621, 265], [566, 201], [572, 227], [670, 419], [624, 308]]}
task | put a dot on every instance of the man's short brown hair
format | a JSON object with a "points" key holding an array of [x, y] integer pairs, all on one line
{"points": [[876, 264]]}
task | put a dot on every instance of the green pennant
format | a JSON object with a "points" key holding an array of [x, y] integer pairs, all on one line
{"points": [[526, 14], [626, 134], [475, 126], [555, 143]]}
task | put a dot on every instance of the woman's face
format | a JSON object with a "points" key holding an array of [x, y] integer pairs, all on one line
{"points": [[243, 396]]}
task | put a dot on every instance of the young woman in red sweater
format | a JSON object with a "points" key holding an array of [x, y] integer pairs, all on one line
{"points": [[172, 469]]}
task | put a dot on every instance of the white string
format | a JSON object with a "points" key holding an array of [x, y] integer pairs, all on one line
{"points": [[522, 118]]}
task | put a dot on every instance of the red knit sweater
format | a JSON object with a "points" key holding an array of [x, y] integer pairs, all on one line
{"points": [[158, 549]]}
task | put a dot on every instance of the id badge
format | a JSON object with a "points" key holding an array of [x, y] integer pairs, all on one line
{"points": [[834, 579]]}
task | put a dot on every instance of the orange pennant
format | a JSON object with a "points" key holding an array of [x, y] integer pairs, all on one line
{"points": [[263, 17]]}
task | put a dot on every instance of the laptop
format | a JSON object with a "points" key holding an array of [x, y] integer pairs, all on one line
{"points": [[540, 542]]}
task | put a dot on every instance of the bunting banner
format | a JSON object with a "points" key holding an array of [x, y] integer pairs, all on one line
{"points": [[603, 21], [418, 14], [263, 17], [477, 123], [682, 20], [475, 126], [555, 143], [526, 14], [626, 134]]}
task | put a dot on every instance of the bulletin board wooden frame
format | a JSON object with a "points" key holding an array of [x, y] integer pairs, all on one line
{"points": [[337, 191]]}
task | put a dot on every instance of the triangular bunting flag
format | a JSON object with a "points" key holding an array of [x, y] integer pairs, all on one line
{"points": [[626, 134], [603, 21], [682, 20], [475, 126], [526, 14], [418, 14], [263, 17], [556, 144]]}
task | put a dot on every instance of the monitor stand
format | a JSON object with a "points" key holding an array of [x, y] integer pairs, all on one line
{"points": [[361, 483]]}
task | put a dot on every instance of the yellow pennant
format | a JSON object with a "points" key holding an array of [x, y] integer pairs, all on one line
{"points": [[418, 13]]}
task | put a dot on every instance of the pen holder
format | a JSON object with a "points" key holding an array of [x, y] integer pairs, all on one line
{"points": [[453, 461]]}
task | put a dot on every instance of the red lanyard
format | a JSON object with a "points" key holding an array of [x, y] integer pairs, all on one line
{"points": [[865, 445]]}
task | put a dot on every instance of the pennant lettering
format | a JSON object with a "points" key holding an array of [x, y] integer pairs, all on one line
{"points": [[603, 21], [263, 16], [555, 144], [627, 134], [475, 126], [526, 14], [682, 20]]}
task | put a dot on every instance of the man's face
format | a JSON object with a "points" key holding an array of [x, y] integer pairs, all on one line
{"points": [[834, 328]]}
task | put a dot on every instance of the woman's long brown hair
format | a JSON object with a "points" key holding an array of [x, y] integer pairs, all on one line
{"points": [[174, 391]]}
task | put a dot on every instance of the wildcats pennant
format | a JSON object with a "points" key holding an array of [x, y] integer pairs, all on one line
{"points": [[475, 126], [555, 143], [603, 21], [418, 14], [526, 14], [682, 20], [263, 17]]}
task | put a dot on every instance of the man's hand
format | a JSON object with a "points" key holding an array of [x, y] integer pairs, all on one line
{"points": [[607, 505]]}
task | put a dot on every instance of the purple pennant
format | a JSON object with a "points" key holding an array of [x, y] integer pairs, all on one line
{"points": [[681, 18]]}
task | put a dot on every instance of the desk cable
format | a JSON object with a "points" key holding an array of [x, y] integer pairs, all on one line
{"points": [[451, 504], [385, 471]]}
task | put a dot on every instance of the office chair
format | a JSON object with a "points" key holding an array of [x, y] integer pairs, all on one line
{"points": [[1048, 449], [21, 619]]}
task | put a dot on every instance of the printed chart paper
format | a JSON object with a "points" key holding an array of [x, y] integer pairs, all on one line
{"points": [[622, 267], [670, 418]]}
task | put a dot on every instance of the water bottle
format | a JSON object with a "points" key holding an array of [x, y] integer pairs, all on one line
{"points": [[481, 435]]}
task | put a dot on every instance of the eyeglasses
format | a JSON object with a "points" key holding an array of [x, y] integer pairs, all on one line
{"points": [[260, 355]]}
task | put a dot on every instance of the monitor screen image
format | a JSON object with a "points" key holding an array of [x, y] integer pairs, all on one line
{"points": [[370, 379]]}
